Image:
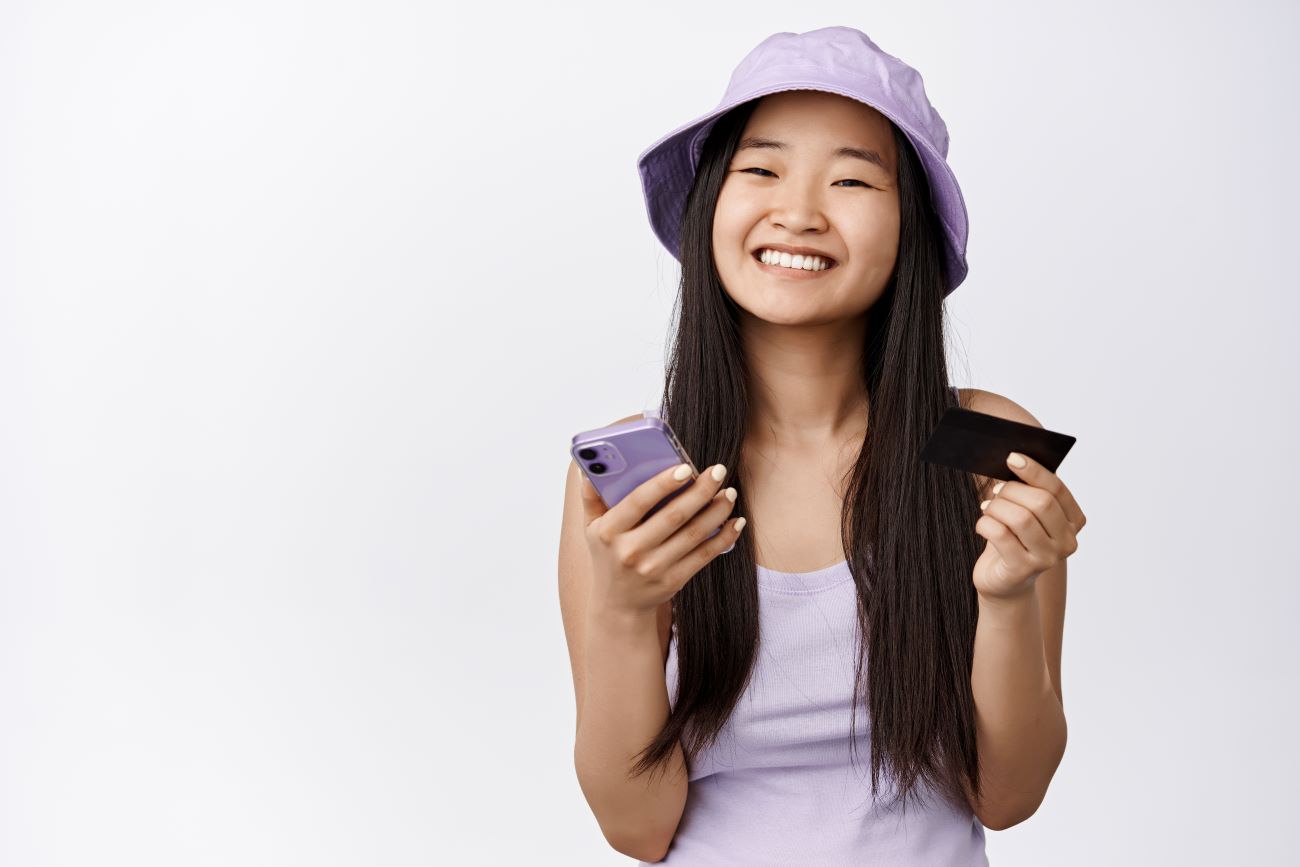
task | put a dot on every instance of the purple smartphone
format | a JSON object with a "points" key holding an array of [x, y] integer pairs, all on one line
{"points": [[618, 458]]}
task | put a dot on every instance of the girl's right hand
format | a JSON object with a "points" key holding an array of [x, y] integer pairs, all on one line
{"points": [[639, 566]]}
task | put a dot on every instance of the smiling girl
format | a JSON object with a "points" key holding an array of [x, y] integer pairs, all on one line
{"points": [[819, 230]]}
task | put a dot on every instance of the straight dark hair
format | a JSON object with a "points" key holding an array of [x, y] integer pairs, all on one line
{"points": [[907, 526]]}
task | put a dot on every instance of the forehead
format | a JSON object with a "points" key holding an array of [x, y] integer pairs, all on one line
{"points": [[814, 119]]}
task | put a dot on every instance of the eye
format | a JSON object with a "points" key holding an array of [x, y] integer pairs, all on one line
{"points": [[845, 181]]}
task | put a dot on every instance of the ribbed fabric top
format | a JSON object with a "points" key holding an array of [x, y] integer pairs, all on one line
{"points": [[804, 582], [779, 787]]}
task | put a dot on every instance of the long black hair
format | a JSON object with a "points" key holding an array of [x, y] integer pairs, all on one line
{"points": [[917, 606]]}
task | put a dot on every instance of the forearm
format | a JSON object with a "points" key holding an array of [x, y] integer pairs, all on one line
{"points": [[625, 707], [1020, 723]]}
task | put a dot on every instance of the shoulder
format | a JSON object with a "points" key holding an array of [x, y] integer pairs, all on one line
{"points": [[995, 404], [992, 403]]}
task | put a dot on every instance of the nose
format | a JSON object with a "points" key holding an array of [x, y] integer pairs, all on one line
{"points": [[797, 208]]}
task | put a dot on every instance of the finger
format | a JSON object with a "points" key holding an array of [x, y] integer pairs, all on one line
{"points": [[1033, 548], [629, 511], [1044, 506], [1005, 541], [697, 529], [1040, 476], [680, 510], [703, 553]]}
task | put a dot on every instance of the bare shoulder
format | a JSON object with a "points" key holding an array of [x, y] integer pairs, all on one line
{"points": [[995, 404], [575, 576], [1051, 584]]}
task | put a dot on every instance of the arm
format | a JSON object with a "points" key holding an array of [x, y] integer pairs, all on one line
{"points": [[1020, 719], [622, 703], [1016, 679], [626, 705]]}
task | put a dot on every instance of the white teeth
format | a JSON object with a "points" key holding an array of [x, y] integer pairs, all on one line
{"points": [[796, 261]]}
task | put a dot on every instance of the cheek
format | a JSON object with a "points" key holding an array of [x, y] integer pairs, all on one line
{"points": [[873, 234], [731, 224], [730, 210]]}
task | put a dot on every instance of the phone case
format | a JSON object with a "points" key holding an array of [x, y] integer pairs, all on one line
{"points": [[631, 453]]}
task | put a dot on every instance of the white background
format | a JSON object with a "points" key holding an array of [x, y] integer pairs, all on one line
{"points": [[301, 303]]}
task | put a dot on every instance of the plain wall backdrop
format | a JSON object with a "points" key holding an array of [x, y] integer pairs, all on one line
{"points": [[300, 304]]}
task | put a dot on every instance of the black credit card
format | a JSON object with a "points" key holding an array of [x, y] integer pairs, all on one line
{"points": [[979, 443]]}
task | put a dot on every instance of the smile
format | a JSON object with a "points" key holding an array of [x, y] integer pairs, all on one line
{"points": [[790, 273]]}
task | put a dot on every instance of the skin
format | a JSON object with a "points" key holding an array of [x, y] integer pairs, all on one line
{"points": [[809, 415], [803, 338]]}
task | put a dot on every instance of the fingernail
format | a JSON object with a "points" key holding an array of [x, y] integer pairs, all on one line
{"points": [[719, 473], [998, 487], [740, 524], [730, 494], [984, 505], [1016, 460], [682, 472]]}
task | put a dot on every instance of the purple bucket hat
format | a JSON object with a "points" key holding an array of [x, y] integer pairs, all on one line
{"points": [[836, 60]]}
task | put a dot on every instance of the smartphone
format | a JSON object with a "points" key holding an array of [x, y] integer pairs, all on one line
{"points": [[618, 458]]}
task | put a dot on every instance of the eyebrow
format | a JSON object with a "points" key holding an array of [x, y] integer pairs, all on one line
{"points": [[865, 154]]}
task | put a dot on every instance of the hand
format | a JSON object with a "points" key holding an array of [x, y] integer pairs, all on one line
{"points": [[1030, 526], [639, 563]]}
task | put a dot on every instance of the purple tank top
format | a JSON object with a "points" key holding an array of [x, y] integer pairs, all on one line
{"points": [[779, 786]]}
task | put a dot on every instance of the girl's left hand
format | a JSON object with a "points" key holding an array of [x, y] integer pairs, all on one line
{"points": [[1030, 527]]}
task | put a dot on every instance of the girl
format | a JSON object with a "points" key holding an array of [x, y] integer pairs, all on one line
{"points": [[819, 230]]}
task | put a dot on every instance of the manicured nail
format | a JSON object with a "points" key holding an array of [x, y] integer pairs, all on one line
{"points": [[730, 494], [984, 505], [682, 472], [740, 524], [998, 487], [719, 473], [1016, 460]]}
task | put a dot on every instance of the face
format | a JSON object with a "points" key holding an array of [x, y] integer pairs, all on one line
{"points": [[789, 184]]}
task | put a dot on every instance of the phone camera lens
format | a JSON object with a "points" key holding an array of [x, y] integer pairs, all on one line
{"points": [[586, 454], [597, 467]]}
